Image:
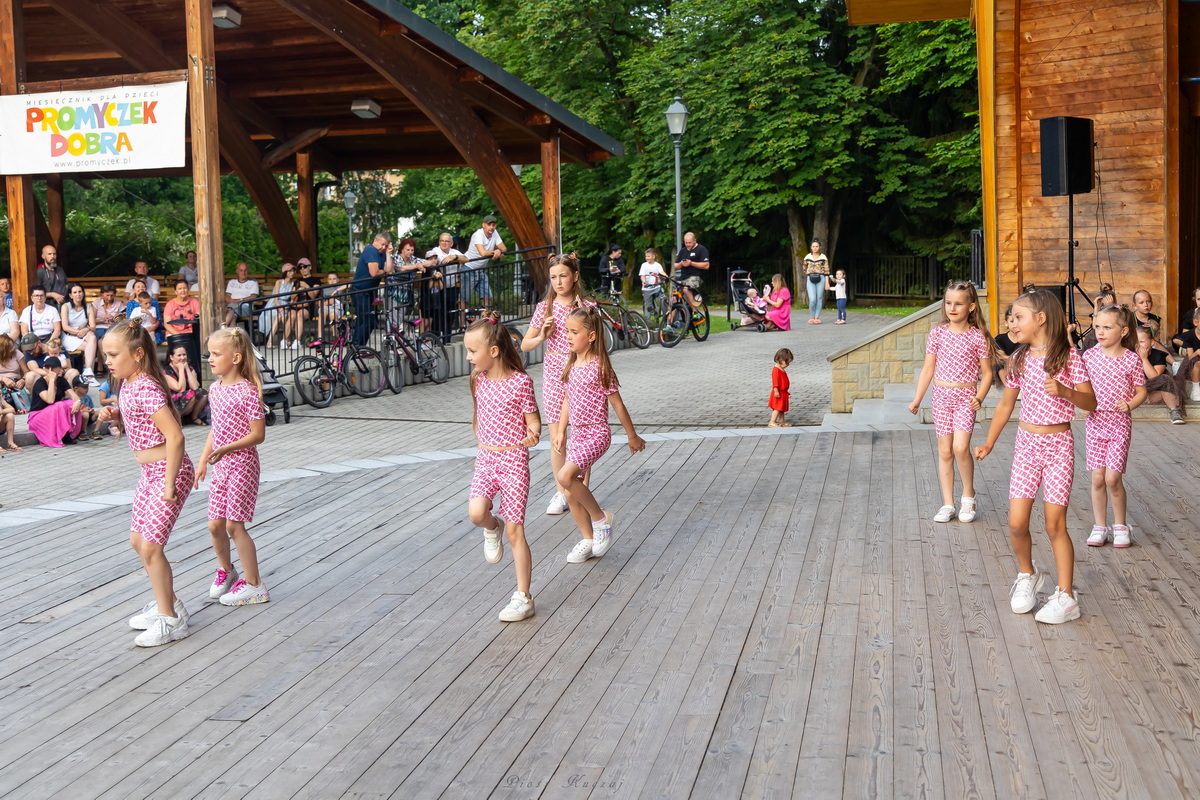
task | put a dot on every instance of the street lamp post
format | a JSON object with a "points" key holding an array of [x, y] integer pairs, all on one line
{"points": [[348, 197], [677, 117]]}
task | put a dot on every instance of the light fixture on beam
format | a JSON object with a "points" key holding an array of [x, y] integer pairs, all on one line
{"points": [[516, 168], [226, 16], [366, 108]]}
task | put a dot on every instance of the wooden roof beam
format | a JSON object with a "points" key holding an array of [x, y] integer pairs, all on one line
{"points": [[292, 146], [425, 82], [331, 84]]}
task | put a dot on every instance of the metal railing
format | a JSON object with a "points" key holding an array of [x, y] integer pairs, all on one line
{"points": [[901, 277]]}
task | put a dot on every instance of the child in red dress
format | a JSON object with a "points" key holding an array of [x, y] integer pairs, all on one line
{"points": [[779, 389]]}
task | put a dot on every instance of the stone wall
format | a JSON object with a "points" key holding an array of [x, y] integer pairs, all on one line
{"points": [[891, 355]]}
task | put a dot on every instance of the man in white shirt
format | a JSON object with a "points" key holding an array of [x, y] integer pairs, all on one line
{"points": [[141, 270], [485, 245], [10, 324], [449, 260], [239, 293]]}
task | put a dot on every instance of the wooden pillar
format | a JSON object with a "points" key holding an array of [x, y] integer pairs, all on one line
{"points": [[985, 46], [57, 216], [18, 189], [307, 205], [206, 163], [552, 191]]}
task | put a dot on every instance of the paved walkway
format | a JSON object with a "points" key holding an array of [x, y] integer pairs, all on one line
{"points": [[720, 383]]}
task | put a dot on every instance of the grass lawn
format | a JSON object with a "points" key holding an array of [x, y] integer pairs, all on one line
{"points": [[890, 311]]}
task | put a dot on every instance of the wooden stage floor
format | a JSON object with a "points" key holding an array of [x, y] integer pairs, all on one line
{"points": [[777, 618]]}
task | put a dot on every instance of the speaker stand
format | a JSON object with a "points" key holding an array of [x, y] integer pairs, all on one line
{"points": [[1072, 284]]}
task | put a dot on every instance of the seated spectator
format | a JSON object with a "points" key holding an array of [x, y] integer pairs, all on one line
{"points": [[8, 423], [1160, 384], [141, 271], [54, 349], [108, 397], [188, 271], [331, 306], [779, 315], [108, 310], [39, 318], [6, 298], [147, 311], [183, 381], [303, 305], [1143, 307], [133, 304], [55, 415], [239, 294], [10, 324], [13, 369], [1188, 342], [78, 323], [268, 320], [34, 353], [181, 306], [80, 388]]}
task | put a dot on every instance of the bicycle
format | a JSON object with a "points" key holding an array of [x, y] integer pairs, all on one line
{"points": [[424, 352], [627, 324], [678, 318], [360, 369]]}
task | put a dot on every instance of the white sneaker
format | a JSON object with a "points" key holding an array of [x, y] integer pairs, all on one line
{"points": [[163, 629], [1024, 590], [966, 511], [558, 505], [581, 552], [493, 546], [1195, 395], [245, 594], [1120, 534], [519, 607], [223, 583], [1060, 608], [296, 345], [602, 534], [1099, 536], [944, 514], [141, 620]]}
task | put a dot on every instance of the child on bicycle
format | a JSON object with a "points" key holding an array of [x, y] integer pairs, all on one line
{"points": [[652, 277]]}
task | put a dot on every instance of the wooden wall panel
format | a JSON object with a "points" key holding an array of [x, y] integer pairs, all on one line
{"points": [[1074, 58]]}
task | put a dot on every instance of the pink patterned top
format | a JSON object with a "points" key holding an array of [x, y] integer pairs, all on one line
{"points": [[139, 400], [500, 409], [587, 400], [1038, 407], [1113, 379], [558, 342], [233, 408], [958, 354]]}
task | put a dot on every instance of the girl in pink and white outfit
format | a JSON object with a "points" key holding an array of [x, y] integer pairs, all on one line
{"points": [[591, 387], [1119, 382], [548, 326], [507, 424], [151, 424], [1049, 376], [958, 353], [238, 427]]}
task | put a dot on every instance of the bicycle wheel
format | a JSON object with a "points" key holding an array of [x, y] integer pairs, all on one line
{"points": [[364, 372], [610, 337], [433, 358], [637, 330], [674, 326], [393, 366], [700, 328], [315, 381], [516, 337]]}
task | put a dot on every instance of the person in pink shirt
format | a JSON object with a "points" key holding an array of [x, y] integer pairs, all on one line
{"points": [[1049, 377], [1117, 377], [181, 306], [591, 387], [507, 424], [238, 427]]}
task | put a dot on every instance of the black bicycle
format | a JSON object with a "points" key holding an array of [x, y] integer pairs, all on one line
{"points": [[679, 319]]}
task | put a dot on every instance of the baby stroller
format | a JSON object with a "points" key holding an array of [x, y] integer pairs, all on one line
{"points": [[740, 284], [273, 392]]}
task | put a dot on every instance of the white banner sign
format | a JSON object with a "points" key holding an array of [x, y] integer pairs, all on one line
{"points": [[123, 128]]}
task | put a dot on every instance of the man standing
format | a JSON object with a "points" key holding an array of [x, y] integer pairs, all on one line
{"points": [[240, 293], [372, 265], [691, 263], [141, 269], [52, 277], [485, 245], [448, 261]]}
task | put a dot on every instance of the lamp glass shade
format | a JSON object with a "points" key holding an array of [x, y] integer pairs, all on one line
{"points": [[677, 117], [348, 197]]}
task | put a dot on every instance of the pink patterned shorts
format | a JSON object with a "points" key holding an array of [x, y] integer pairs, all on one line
{"points": [[952, 409], [233, 490], [586, 443], [153, 518], [554, 391], [1046, 460], [1107, 440], [506, 472]]}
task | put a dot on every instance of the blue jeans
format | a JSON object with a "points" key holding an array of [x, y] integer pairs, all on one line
{"points": [[816, 295], [841, 308], [363, 316]]}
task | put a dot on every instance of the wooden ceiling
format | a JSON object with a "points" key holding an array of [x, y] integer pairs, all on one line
{"points": [[289, 82], [878, 12]]}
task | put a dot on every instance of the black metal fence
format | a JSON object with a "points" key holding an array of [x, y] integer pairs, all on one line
{"points": [[902, 277]]}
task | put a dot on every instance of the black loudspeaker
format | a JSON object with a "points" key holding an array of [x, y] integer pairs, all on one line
{"points": [[1058, 291], [1068, 163]]}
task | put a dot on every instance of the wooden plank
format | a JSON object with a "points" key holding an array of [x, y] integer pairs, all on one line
{"points": [[105, 81], [552, 193], [306, 207]]}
